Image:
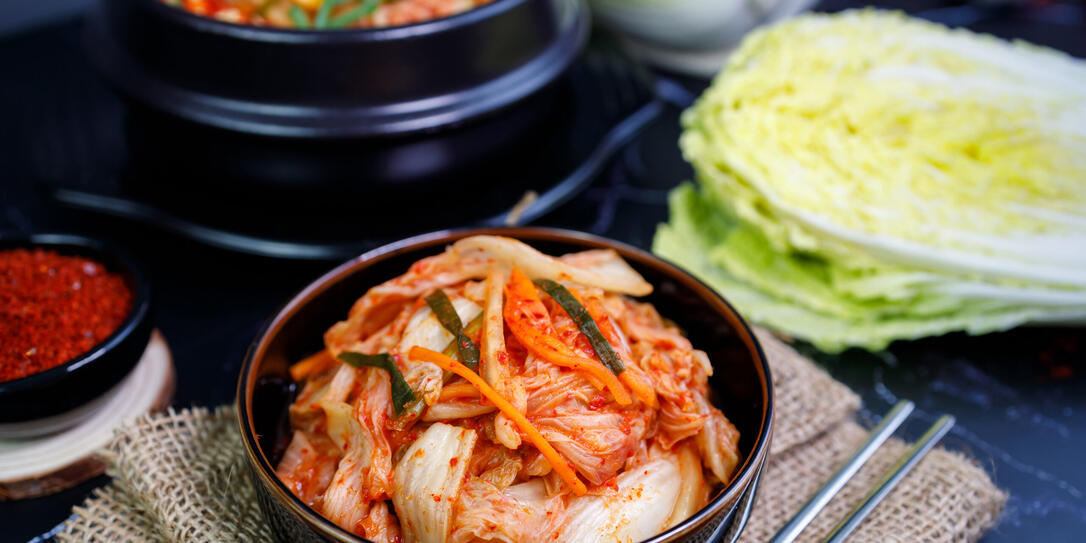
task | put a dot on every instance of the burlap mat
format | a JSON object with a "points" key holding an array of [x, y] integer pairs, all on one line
{"points": [[177, 476], [180, 476]]}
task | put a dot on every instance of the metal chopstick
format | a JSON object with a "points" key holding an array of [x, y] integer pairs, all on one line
{"points": [[889, 424], [891, 479]]}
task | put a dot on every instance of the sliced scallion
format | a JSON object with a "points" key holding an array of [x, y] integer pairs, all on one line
{"points": [[471, 329], [298, 15], [446, 314], [401, 391], [325, 12], [584, 322], [347, 17]]}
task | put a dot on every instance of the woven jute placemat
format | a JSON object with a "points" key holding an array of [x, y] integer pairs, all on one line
{"points": [[180, 476]]}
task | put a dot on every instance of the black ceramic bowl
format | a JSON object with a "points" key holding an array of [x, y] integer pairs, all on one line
{"points": [[741, 378], [335, 83], [88, 376]]}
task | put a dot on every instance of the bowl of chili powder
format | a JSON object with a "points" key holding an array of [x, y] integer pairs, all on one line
{"points": [[74, 320]]}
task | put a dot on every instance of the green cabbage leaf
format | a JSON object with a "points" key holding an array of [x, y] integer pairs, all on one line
{"points": [[865, 177]]}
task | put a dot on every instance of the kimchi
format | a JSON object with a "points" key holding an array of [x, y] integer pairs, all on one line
{"points": [[495, 393]]}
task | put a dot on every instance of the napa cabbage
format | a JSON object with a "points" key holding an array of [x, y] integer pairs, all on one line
{"points": [[865, 176]]}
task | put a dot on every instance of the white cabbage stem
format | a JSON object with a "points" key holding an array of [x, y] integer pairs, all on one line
{"points": [[638, 510], [427, 480], [611, 274]]}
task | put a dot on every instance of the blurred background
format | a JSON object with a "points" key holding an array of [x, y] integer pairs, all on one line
{"points": [[1057, 19]]}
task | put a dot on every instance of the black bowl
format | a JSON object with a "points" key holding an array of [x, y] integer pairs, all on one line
{"points": [[335, 83], [88, 376], [741, 379]]}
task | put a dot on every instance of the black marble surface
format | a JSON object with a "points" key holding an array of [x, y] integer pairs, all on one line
{"points": [[1020, 396]]}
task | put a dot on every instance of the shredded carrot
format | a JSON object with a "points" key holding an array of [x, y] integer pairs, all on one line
{"points": [[458, 390], [311, 364], [552, 350], [560, 465], [596, 383], [633, 377], [529, 321]]}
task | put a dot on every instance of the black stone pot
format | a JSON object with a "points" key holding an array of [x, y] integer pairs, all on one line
{"points": [[334, 83], [223, 116]]}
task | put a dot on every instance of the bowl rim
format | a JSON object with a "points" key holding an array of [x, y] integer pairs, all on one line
{"points": [[87, 247], [275, 34], [263, 469]]}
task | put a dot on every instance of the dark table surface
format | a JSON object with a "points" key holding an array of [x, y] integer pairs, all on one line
{"points": [[1019, 396]]}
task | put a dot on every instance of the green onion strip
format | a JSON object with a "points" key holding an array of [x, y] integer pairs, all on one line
{"points": [[446, 314], [472, 328], [298, 15], [325, 12], [584, 322], [354, 14], [401, 391]]}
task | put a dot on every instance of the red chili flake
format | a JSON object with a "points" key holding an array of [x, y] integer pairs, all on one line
{"points": [[453, 461], [436, 497], [611, 483], [54, 308]]}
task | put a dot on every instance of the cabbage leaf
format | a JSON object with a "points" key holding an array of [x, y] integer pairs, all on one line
{"points": [[865, 177]]}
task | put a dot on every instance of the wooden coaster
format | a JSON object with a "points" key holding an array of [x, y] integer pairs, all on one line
{"points": [[32, 467]]}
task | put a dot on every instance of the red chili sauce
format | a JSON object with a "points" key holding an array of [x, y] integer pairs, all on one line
{"points": [[54, 308]]}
